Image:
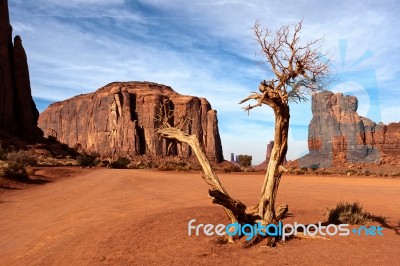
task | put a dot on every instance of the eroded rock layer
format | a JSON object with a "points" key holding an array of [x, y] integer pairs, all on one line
{"points": [[338, 134], [121, 119], [18, 113]]}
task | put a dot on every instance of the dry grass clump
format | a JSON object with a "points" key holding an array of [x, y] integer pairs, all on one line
{"points": [[120, 163], [174, 166], [350, 213], [88, 159], [22, 157]]}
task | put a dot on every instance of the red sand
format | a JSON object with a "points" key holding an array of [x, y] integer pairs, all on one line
{"points": [[140, 217]]}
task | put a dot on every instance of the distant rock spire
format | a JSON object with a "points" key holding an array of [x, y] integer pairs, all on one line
{"points": [[18, 113]]}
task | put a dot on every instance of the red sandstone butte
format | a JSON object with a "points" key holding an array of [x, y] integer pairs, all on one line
{"points": [[119, 120]]}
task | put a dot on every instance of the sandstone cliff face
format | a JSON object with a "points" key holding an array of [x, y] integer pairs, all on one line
{"points": [[338, 134], [119, 120], [18, 113]]}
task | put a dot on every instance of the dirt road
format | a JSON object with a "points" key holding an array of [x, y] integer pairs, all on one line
{"points": [[140, 217]]}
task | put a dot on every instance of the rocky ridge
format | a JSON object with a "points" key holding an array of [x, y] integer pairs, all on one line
{"points": [[119, 119], [18, 113], [337, 134]]}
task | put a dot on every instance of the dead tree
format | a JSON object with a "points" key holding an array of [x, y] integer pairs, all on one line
{"points": [[298, 70]]}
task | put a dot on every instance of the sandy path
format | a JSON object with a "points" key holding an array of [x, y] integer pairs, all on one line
{"points": [[140, 217]]}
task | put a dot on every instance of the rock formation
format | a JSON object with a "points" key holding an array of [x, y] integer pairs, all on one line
{"points": [[270, 146], [338, 134], [18, 113], [119, 120]]}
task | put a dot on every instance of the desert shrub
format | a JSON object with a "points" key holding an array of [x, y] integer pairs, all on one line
{"points": [[350, 213], [232, 168], [172, 166], [314, 167], [104, 163], [142, 165], [12, 170], [3, 166], [88, 159], [300, 171], [304, 169], [120, 163], [22, 157], [245, 160], [196, 167], [182, 164], [250, 169], [182, 168], [168, 166], [50, 161], [366, 173], [325, 172]]}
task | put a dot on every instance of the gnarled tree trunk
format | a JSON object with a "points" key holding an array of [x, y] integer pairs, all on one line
{"points": [[275, 166], [298, 69]]}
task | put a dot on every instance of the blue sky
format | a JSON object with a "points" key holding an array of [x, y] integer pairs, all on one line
{"points": [[206, 48]]}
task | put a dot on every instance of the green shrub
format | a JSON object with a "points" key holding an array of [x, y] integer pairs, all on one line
{"points": [[22, 157], [350, 213], [245, 160], [314, 167], [120, 163], [86, 159], [12, 170]]}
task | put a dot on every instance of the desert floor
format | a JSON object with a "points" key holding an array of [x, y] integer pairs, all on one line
{"points": [[140, 217]]}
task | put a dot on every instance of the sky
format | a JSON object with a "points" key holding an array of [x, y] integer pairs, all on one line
{"points": [[206, 48]]}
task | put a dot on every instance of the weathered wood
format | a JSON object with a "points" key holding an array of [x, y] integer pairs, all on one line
{"points": [[299, 69]]}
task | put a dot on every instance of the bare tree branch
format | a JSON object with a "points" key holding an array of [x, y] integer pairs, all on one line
{"points": [[299, 69]]}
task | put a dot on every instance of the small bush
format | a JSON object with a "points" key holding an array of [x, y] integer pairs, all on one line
{"points": [[3, 166], [182, 168], [172, 166], [325, 172], [314, 167], [142, 165], [86, 159], [22, 157], [12, 170], [350, 213], [351, 172], [232, 168], [120, 163], [300, 171], [166, 167], [245, 160]]}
